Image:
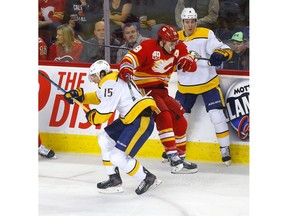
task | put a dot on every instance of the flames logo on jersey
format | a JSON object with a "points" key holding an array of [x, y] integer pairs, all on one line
{"points": [[162, 66], [65, 58], [237, 102]]}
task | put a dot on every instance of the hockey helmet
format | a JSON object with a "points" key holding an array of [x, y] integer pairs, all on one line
{"points": [[188, 13], [98, 67], [168, 33]]}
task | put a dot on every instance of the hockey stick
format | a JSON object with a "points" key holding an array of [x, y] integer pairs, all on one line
{"points": [[200, 58], [57, 86], [197, 57], [95, 44], [129, 81]]}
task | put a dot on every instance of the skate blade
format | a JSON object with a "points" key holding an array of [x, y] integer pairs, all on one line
{"points": [[156, 183], [177, 168], [165, 160], [111, 190], [186, 171], [227, 163], [54, 157]]}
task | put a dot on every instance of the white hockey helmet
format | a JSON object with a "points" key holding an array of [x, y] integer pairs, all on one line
{"points": [[98, 67], [188, 13]]}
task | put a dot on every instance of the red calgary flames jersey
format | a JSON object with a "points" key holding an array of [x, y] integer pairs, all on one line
{"points": [[42, 49], [153, 65], [57, 53]]}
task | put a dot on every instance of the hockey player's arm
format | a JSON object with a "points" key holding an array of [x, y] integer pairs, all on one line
{"points": [[78, 94], [186, 63], [126, 69], [219, 56]]}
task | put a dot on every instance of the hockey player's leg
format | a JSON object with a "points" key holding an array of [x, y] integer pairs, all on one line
{"points": [[222, 132], [133, 168], [44, 151], [150, 182], [164, 126], [180, 129], [114, 183]]}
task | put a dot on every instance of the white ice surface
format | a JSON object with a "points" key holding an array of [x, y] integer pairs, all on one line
{"points": [[67, 186]]}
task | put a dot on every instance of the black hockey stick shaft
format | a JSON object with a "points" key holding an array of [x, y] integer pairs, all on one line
{"points": [[52, 82], [95, 44], [59, 87]]}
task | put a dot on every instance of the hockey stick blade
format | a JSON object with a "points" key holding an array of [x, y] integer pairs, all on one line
{"points": [[59, 87], [95, 44]]}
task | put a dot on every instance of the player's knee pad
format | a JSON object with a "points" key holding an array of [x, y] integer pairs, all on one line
{"points": [[118, 158], [180, 126], [217, 116], [105, 142], [163, 120]]}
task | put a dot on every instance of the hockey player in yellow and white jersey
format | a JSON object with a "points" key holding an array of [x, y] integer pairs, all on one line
{"points": [[202, 42], [123, 138]]}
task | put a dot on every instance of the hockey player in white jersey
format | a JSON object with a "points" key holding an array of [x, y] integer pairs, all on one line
{"points": [[122, 139], [202, 42]]}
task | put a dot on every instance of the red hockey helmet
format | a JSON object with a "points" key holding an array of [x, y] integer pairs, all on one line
{"points": [[168, 33]]}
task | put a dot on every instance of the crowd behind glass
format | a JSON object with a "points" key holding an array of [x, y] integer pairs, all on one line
{"points": [[85, 19]]}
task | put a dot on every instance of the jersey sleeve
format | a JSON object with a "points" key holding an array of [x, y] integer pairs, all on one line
{"points": [[215, 43]]}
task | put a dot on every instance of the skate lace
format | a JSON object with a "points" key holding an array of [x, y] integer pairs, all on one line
{"points": [[142, 185]]}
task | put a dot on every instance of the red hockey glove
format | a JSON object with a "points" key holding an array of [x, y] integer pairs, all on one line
{"points": [[126, 73], [77, 93], [186, 63]]}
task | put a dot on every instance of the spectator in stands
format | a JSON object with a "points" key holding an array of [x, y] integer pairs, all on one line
{"points": [[132, 39], [92, 53], [155, 13], [42, 49], [240, 58], [207, 11], [230, 20], [120, 13], [82, 15], [66, 48], [50, 16]]}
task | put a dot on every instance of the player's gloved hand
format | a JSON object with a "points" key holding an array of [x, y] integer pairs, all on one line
{"points": [[90, 115], [77, 93], [186, 63], [126, 73], [218, 56]]}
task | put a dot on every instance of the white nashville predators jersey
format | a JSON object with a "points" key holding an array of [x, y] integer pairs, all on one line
{"points": [[113, 94], [203, 41]]}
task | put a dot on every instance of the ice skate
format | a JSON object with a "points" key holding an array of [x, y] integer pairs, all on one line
{"points": [[225, 153], [112, 185], [187, 167], [176, 165], [165, 158], [45, 152], [150, 182]]}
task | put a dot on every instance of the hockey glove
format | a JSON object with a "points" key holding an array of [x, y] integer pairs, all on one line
{"points": [[186, 63], [77, 93], [126, 73], [90, 115], [218, 56]]}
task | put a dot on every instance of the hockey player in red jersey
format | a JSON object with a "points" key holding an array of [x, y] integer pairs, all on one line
{"points": [[151, 65]]}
